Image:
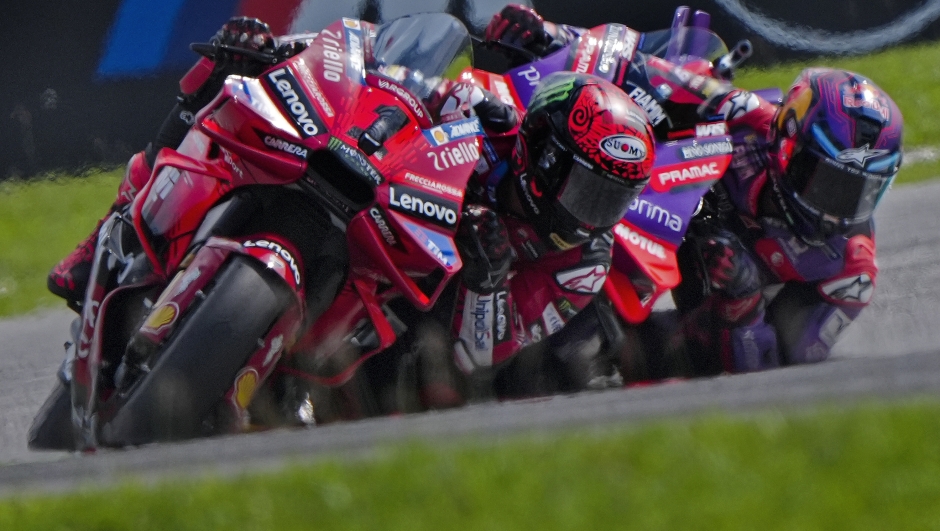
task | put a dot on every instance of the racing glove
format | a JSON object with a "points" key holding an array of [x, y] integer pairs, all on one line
{"points": [[483, 242], [247, 33], [521, 26], [732, 274], [728, 266]]}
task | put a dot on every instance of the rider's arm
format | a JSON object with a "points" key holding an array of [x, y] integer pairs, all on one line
{"points": [[740, 108], [728, 330], [536, 301], [522, 26], [810, 317]]}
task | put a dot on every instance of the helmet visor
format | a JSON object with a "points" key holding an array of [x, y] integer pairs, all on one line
{"points": [[596, 200], [835, 189]]}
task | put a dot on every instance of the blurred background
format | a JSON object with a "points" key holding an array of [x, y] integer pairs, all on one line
{"points": [[87, 84]]}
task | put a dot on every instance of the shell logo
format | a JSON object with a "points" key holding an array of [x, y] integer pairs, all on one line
{"points": [[439, 136], [245, 385], [162, 317]]}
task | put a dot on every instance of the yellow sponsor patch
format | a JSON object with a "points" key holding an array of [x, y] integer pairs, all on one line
{"points": [[162, 316], [245, 384]]}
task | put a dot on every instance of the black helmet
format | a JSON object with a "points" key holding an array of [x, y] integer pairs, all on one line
{"points": [[837, 140], [584, 152]]}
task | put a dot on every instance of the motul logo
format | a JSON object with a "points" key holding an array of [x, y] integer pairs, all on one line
{"points": [[637, 240]]}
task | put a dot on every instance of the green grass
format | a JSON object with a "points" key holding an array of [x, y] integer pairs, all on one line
{"points": [[871, 466], [40, 222]]}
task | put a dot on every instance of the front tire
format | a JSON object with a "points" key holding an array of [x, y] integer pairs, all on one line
{"points": [[192, 371], [52, 427]]}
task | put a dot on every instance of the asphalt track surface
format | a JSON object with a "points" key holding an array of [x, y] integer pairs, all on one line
{"points": [[892, 352]]}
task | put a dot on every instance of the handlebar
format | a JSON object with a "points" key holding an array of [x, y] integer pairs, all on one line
{"points": [[519, 54], [211, 51]]}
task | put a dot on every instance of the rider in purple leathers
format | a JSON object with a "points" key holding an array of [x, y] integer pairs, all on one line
{"points": [[792, 214], [782, 257]]}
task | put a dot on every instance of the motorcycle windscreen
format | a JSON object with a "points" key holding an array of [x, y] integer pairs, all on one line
{"points": [[435, 44], [684, 45]]}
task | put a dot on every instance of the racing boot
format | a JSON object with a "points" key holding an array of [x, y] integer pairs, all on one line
{"points": [[69, 278]]}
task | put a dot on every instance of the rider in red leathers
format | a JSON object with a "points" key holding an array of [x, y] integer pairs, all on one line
{"points": [[69, 278], [782, 259], [535, 238]]}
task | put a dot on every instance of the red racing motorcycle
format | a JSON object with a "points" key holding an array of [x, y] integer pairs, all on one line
{"points": [[300, 204]]}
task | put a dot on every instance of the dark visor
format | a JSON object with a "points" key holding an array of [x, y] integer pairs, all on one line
{"points": [[597, 200], [834, 188]]}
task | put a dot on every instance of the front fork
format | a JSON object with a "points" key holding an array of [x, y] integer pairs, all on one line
{"points": [[84, 362]]}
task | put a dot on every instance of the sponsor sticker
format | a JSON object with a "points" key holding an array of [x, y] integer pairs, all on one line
{"points": [[648, 103], [295, 102], [355, 160], [713, 129], [388, 234], [652, 211], [586, 280], [455, 154], [334, 48], [245, 385], [162, 317], [417, 203], [437, 186], [858, 289], [701, 150], [689, 174], [625, 148], [440, 245], [552, 319], [281, 252], [640, 241], [444, 133], [280, 144]]}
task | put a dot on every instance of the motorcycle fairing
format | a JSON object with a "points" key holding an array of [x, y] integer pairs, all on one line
{"points": [[683, 172], [110, 261], [601, 50], [261, 365]]}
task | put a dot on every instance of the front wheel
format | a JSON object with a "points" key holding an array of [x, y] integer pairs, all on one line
{"points": [[192, 371], [52, 427]]}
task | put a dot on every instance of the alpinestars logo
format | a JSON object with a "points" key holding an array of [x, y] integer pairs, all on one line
{"points": [[293, 99], [587, 280], [859, 156], [857, 290]]}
